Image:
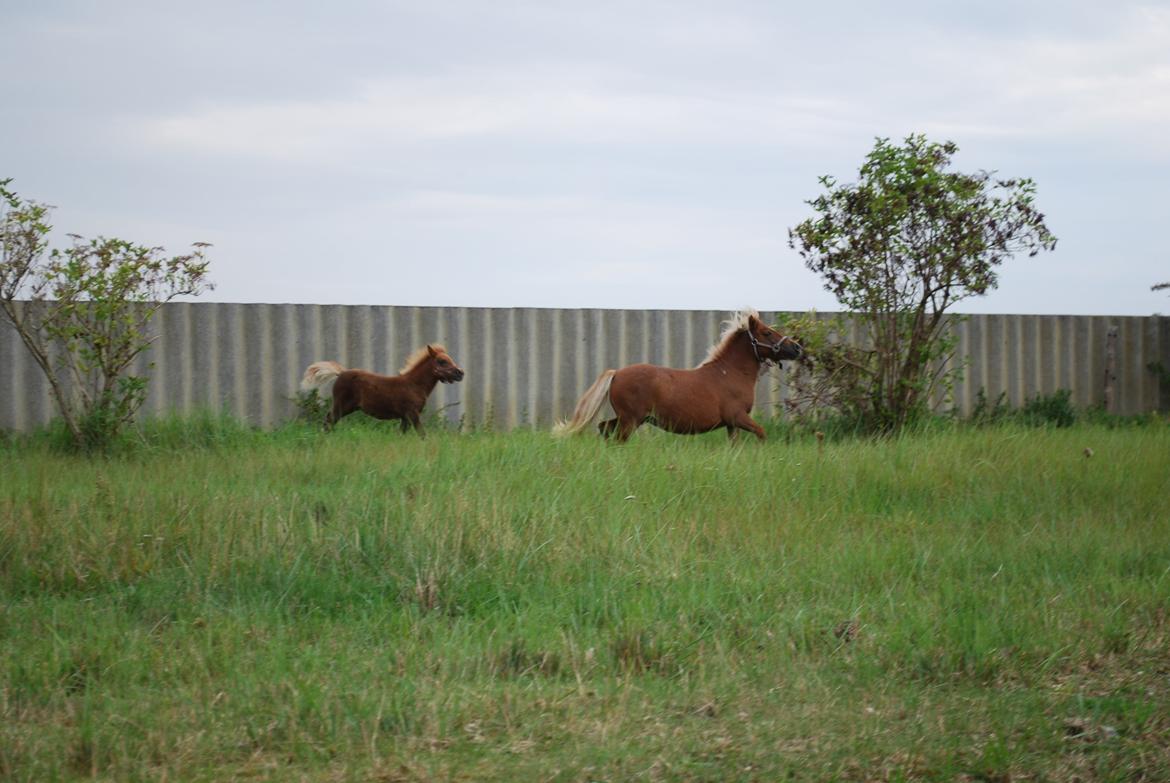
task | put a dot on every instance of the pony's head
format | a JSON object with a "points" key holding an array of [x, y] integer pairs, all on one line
{"points": [[443, 366], [433, 359], [768, 344]]}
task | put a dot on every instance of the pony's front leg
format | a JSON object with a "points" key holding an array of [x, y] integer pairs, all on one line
{"points": [[332, 416], [412, 419], [745, 422], [340, 408]]}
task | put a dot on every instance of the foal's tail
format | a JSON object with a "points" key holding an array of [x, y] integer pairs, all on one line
{"points": [[587, 407], [320, 374]]}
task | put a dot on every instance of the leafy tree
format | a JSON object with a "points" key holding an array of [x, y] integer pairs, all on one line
{"points": [[900, 247], [84, 313]]}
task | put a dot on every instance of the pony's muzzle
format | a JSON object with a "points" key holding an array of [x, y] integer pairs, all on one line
{"points": [[789, 349]]}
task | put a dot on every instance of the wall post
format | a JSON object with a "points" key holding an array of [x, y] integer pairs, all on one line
{"points": [[1111, 370]]}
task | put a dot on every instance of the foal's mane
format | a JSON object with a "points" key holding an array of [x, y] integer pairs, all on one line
{"points": [[736, 324], [420, 356]]}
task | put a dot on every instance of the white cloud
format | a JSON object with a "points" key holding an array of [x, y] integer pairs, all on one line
{"points": [[573, 106], [1026, 88], [1115, 86], [626, 228]]}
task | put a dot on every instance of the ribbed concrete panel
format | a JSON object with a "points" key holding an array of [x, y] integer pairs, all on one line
{"points": [[527, 367], [1163, 340], [13, 364]]}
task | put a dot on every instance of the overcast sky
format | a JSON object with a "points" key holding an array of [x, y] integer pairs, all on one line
{"points": [[579, 154]]}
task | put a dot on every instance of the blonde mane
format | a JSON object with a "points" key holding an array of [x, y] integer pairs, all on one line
{"points": [[420, 356], [736, 324]]}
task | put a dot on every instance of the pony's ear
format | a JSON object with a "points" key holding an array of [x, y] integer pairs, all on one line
{"points": [[431, 351], [753, 322]]}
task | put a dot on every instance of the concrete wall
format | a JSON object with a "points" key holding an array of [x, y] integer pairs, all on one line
{"points": [[527, 367]]}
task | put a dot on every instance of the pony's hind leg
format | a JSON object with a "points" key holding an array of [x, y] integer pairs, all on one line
{"points": [[607, 427], [629, 418], [626, 426]]}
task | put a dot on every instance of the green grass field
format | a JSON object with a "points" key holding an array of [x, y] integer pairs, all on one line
{"points": [[961, 604]]}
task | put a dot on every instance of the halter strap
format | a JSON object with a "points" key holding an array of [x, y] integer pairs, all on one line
{"points": [[775, 349]]}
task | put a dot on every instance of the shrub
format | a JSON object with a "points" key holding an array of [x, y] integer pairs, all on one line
{"points": [[1053, 409], [899, 248], [84, 314]]}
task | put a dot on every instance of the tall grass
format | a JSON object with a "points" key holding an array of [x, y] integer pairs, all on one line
{"points": [[216, 602]]}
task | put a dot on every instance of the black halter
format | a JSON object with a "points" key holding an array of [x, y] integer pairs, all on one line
{"points": [[774, 349]]}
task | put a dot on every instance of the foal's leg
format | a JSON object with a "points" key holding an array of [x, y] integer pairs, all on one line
{"points": [[607, 427]]}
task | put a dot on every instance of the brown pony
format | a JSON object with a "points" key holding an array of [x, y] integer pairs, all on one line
{"points": [[399, 396], [718, 393]]}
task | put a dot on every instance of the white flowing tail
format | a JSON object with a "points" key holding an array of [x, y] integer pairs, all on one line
{"points": [[587, 407], [319, 375]]}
